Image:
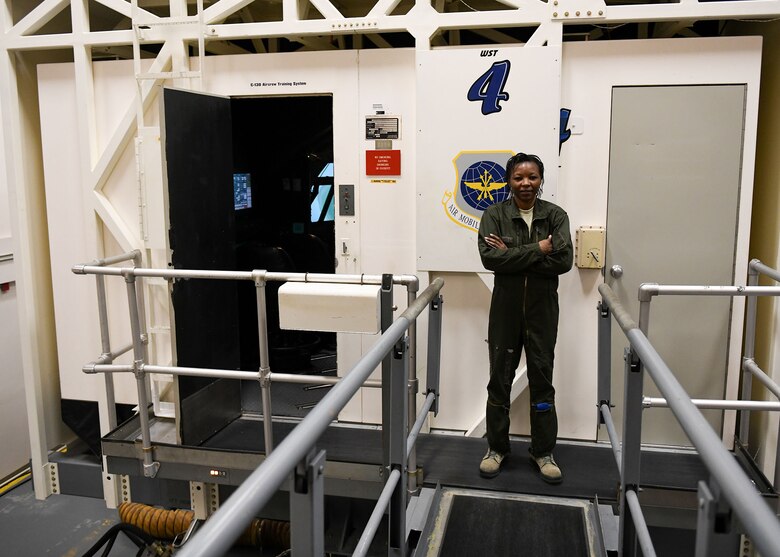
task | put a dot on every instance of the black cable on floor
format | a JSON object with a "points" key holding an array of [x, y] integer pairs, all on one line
{"points": [[136, 535]]}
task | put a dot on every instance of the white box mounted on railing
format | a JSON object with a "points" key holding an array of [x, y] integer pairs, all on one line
{"points": [[341, 308]]}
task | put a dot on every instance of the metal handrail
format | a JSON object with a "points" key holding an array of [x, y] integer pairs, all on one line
{"points": [[270, 276], [709, 404], [759, 521], [133, 275], [364, 543], [751, 292], [305, 435], [212, 373], [226, 524], [612, 434], [642, 533]]}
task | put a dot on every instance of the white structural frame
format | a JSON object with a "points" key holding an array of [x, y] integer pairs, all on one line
{"points": [[175, 34]]}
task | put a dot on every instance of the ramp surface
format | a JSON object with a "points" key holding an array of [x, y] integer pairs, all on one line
{"points": [[470, 522]]}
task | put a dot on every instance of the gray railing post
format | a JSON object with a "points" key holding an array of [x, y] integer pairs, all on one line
{"points": [[385, 320], [307, 506], [398, 421], [265, 365], [748, 354], [434, 350], [414, 473], [150, 467], [604, 389], [109, 420], [632, 444], [714, 524]]}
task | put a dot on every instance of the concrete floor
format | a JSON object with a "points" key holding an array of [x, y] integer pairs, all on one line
{"points": [[62, 525], [66, 526]]}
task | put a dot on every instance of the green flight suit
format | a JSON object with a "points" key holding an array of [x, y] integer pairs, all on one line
{"points": [[524, 314]]}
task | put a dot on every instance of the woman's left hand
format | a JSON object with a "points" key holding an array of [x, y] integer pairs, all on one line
{"points": [[495, 242]]}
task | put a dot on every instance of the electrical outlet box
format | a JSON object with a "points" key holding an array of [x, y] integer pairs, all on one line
{"points": [[589, 247]]}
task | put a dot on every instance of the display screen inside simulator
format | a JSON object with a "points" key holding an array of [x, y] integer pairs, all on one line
{"points": [[242, 191]]}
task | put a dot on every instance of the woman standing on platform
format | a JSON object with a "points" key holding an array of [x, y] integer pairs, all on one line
{"points": [[526, 242]]}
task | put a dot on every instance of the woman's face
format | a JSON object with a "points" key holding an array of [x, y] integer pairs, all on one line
{"points": [[525, 181]]}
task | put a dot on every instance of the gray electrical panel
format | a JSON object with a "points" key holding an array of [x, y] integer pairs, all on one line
{"points": [[346, 200]]}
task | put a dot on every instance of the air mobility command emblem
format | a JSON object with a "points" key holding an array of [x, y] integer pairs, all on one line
{"points": [[479, 184]]}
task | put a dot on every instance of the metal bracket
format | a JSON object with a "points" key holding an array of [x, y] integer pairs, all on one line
{"points": [[573, 10], [714, 521], [307, 505], [599, 405], [400, 347], [632, 359], [125, 494], [151, 469], [52, 478], [204, 499], [265, 376], [112, 492]]}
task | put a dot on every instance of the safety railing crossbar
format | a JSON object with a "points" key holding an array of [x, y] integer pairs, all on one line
{"points": [[212, 373], [364, 543], [642, 532], [100, 268], [763, 526], [647, 290], [218, 533], [708, 404], [614, 439], [419, 422], [750, 365], [269, 276]]}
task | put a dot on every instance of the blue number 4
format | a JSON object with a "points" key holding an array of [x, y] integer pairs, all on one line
{"points": [[489, 87]]}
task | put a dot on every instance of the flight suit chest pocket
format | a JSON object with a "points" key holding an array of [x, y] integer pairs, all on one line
{"points": [[540, 230]]}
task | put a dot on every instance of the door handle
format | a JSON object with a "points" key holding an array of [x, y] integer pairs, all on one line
{"points": [[616, 271]]}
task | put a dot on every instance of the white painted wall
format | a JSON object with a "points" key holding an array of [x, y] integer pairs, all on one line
{"points": [[14, 435], [590, 70], [384, 233], [72, 221]]}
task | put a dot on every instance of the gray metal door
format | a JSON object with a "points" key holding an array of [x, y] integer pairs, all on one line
{"points": [[675, 161]]}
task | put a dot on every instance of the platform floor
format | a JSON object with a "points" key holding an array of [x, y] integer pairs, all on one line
{"points": [[450, 460]]}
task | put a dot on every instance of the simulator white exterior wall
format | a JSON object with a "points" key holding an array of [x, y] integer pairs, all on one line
{"points": [[386, 229]]}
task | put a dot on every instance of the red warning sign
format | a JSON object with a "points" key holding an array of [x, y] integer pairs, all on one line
{"points": [[383, 162]]}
